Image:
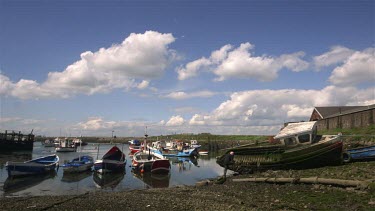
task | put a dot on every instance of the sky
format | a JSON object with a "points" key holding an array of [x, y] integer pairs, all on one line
{"points": [[72, 68]]}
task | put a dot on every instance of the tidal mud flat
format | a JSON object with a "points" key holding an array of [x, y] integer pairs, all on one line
{"points": [[227, 196]]}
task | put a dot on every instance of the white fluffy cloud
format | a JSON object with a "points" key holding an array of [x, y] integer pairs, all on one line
{"points": [[184, 95], [272, 107], [240, 63], [337, 54], [143, 85], [138, 59], [96, 123], [358, 68], [175, 121]]}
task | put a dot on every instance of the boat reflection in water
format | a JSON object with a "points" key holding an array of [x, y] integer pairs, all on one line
{"points": [[75, 177], [184, 163], [108, 180], [153, 180], [16, 184]]}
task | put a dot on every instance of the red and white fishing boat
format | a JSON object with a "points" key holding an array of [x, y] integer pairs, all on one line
{"points": [[135, 146], [150, 162]]}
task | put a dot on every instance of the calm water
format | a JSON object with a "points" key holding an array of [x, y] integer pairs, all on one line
{"points": [[184, 171]]}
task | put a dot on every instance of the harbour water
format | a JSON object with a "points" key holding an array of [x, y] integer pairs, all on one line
{"points": [[184, 171]]}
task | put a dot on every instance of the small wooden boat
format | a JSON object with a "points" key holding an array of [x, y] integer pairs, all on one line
{"points": [[113, 161], [150, 162], [37, 166], [80, 164], [296, 146], [359, 154]]}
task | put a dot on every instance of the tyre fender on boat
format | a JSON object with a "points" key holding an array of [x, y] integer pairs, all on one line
{"points": [[346, 157]]}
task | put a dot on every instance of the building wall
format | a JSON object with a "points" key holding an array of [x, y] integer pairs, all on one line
{"points": [[347, 121], [315, 116]]}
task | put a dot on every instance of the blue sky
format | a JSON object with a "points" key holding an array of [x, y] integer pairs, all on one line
{"points": [[225, 67]]}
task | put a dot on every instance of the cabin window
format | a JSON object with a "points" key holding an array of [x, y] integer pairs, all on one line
{"points": [[290, 141], [304, 138]]}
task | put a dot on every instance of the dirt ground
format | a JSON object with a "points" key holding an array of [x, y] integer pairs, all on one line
{"points": [[227, 196]]}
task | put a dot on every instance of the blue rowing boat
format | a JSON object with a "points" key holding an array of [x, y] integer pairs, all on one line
{"points": [[80, 164], [359, 154], [36, 166]]}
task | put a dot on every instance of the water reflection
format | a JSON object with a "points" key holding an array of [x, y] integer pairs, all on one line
{"points": [[16, 184], [110, 180], [184, 163], [75, 177], [184, 171], [154, 180]]}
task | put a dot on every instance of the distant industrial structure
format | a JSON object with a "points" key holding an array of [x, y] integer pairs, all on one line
{"points": [[344, 117]]}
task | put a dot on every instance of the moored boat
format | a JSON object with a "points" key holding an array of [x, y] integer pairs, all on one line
{"points": [[113, 161], [78, 142], [36, 166], [49, 143], [359, 154], [135, 146], [296, 146], [80, 164], [65, 145], [150, 162], [179, 150]]}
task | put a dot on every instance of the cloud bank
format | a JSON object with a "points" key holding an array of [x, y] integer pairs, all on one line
{"points": [[130, 64], [240, 62]]}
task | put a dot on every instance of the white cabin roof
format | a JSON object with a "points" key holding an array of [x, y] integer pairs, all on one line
{"points": [[296, 128]]}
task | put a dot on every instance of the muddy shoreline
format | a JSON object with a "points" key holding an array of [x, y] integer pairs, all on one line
{"points": [[227, 196]]}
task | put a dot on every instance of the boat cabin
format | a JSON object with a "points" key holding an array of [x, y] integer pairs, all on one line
{"points": [[158, 144], [300, 133]]}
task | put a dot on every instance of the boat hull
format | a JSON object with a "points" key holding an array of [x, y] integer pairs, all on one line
{"points": [[79, 164], [324, 154], [359, 154], [31, 167], [151, 162]]}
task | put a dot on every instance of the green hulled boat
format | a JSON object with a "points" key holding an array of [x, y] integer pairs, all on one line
{"points": [[296, 146]]}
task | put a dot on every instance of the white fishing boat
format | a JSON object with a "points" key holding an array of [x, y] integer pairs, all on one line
{"points": [[65, 146], [150, 162]]}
